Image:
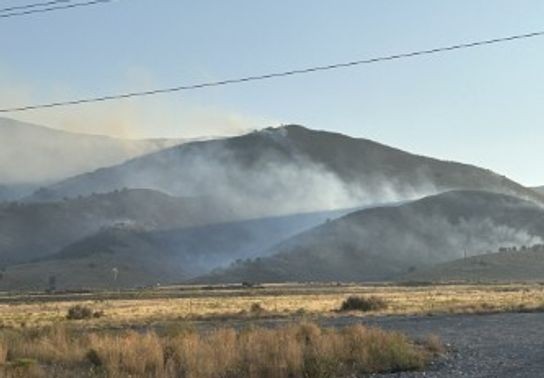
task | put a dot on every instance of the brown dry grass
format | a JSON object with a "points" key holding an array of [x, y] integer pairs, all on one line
{"points": [[3, 353], [49, 344], [294, 350], [168, 306], [434, 345]]}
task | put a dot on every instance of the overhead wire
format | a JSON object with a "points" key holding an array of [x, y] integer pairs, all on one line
{"points": [[30, 10], [275, 74], [33, 5]]}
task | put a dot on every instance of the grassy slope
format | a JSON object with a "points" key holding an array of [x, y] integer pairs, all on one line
{"points": [[382, 243], [33, 230], [146, 257], [519, 265]]}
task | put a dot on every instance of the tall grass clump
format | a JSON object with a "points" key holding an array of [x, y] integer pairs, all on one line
{"points": [[297, 350], [130, 354], [50, 345], [3, 352]]}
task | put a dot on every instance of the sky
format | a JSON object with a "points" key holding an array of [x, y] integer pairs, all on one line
{"points": [[481, 106]]}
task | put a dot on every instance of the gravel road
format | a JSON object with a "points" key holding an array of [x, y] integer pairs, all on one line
{"points": [[497, 345]]}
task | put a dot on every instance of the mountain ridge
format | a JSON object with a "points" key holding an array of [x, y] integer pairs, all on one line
{"points": [[291, 165]]}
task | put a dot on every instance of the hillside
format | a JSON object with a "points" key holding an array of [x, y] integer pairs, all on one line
{"points": [[287, 170], [145, 257], [32, 230], [519, 264], [185, 210], [95, 271], [385, 242], [32, 155], [539, 189], [14, 192]]}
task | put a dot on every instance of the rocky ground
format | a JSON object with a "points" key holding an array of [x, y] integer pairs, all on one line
{"points": [[498, 345]]}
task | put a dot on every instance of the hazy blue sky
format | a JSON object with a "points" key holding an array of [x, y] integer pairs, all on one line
{"points": [[483, 106]]}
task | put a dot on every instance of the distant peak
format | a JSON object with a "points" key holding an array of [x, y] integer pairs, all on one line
{"points": [[293, 126], [284, 129]]}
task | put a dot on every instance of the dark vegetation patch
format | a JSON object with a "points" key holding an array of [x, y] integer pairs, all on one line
{"points": [[80, 312], [365, 304]]}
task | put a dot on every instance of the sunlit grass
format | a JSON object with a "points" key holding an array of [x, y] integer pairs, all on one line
{"points": [[287, 302], [292, 350]]}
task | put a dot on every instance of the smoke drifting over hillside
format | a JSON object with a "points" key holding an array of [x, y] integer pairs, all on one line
{"points": [[427, 239], [98, 135], [31, 154], [263, 173], [382, 243], [277, 171], [138, 118]]}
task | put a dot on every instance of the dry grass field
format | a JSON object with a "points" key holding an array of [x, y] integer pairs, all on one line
{"points": [[147, 307], [184, 331]]}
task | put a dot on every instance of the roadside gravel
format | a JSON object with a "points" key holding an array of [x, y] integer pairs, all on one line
{"points": [[497, 345]]}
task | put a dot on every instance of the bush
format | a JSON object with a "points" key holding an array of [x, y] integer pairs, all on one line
{"points": [[355, 303], [79, 312], [93, 357], [433, 344], [256, 308]]}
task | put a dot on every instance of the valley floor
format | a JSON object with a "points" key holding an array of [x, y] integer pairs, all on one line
{"points": [[489, 330], [165, 305]]}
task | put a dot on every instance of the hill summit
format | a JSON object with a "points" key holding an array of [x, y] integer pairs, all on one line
{"points": [[287, 170]]}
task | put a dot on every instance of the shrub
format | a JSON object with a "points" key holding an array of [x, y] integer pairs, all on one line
{"points": [[256, 308], [98, 314], [355, 303], [434, 345], [94, 357], [79, 312]]}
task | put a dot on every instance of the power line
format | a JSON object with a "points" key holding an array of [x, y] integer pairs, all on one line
{"points": [[53, 8], [34, 5], [274, 75]]}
